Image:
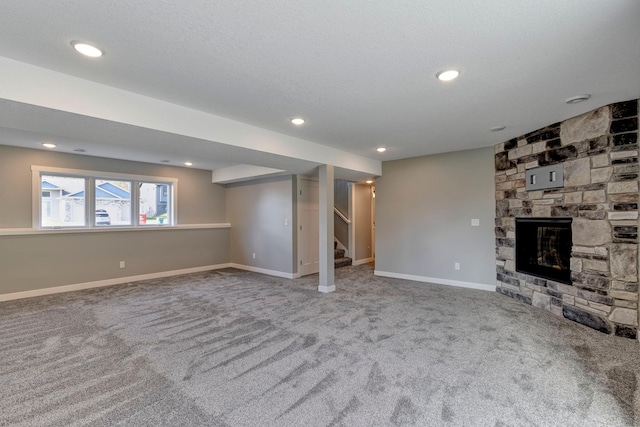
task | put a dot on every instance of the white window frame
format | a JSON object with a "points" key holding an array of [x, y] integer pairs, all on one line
{"points": [[90, 177]]}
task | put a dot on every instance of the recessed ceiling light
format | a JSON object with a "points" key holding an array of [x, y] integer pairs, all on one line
{"points": [[498, 128], [297, 121], [577, 99], [447, 75], [188, 163], [87, 49], [49, 145], [369, 181], [381, 149]]}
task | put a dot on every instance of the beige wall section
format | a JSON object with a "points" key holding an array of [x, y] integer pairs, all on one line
{"points": [[31, 262], [362, 221], [424, 207], [199, 201], [41, 261], [294, 223], [341, 197], [257, 211]]}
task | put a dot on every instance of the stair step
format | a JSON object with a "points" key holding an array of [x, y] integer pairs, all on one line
{"points": [[342, 262], [338, 253]]}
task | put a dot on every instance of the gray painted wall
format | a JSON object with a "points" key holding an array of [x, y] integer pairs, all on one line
{"points": [[42, 261], [362, 221], [341, 196], [424, 208], [294, 223], [341, 231], [45, 260], [341, 202], [257, 211]]}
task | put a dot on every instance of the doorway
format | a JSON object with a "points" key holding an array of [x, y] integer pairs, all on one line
{"points": [[308, 226]]}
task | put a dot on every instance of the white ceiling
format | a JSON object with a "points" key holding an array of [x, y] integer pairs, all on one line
{"points": [[361, 73]]}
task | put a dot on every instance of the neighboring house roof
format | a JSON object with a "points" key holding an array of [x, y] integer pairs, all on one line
{"points": [[79, 194], [106, 191], [46, 185], [104, 194], [115, 190]]}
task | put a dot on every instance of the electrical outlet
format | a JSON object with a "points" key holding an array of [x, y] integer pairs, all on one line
{"points": [[286, 222], [457, 266], [121, 264], [253, 255]]}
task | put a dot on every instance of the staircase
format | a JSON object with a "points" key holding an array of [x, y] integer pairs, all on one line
{"points": [[339, 259]]}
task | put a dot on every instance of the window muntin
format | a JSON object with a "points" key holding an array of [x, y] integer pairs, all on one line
{"points": [[91, 199]]}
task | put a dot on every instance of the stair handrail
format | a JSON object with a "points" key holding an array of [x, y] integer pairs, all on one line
{"points": [[341, 215]]}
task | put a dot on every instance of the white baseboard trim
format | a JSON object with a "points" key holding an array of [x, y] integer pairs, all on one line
{"points": [[326, 289], [363, 261], [265, 271], [448, 282], [107, 282]]}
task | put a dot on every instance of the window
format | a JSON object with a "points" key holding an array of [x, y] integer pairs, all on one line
{"points": [[46, 204], [63, 201], [65, 198], [154, 203], [112, 202]]}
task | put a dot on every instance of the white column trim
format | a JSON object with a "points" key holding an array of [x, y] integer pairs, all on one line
{"points": [[327, 267]]}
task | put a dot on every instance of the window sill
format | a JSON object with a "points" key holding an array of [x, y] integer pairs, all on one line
{"points": [[32, 231]]}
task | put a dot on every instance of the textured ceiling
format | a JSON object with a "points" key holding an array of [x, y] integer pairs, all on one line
{"points": [[360, 72]]}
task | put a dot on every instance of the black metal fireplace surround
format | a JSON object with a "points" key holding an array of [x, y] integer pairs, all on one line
{"points": [[543, 248]]}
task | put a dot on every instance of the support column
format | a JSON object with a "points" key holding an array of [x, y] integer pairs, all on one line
{"points": [[326, 267]]}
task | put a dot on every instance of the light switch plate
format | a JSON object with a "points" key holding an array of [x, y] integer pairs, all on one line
{"points": [[475, 222]]}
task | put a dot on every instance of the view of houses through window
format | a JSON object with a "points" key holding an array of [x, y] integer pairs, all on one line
{"points": [[113, 202], [154, 203], [64, 202]]}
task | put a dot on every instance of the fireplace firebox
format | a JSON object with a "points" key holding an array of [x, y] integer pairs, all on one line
{"points": [[543, 248]]}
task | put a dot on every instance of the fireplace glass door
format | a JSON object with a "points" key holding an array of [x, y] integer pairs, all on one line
{"points": [[543, 247]]}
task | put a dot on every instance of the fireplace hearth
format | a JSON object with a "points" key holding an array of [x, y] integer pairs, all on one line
{"points": [[543, 248]]}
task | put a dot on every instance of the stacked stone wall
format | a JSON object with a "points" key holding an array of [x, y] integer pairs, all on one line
{"points": [[599, 154]]}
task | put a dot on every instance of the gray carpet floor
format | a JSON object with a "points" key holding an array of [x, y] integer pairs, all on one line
{"points": [[233, 348]]}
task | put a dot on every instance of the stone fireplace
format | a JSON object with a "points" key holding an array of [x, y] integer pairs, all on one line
{"points": [[592, 215]]}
